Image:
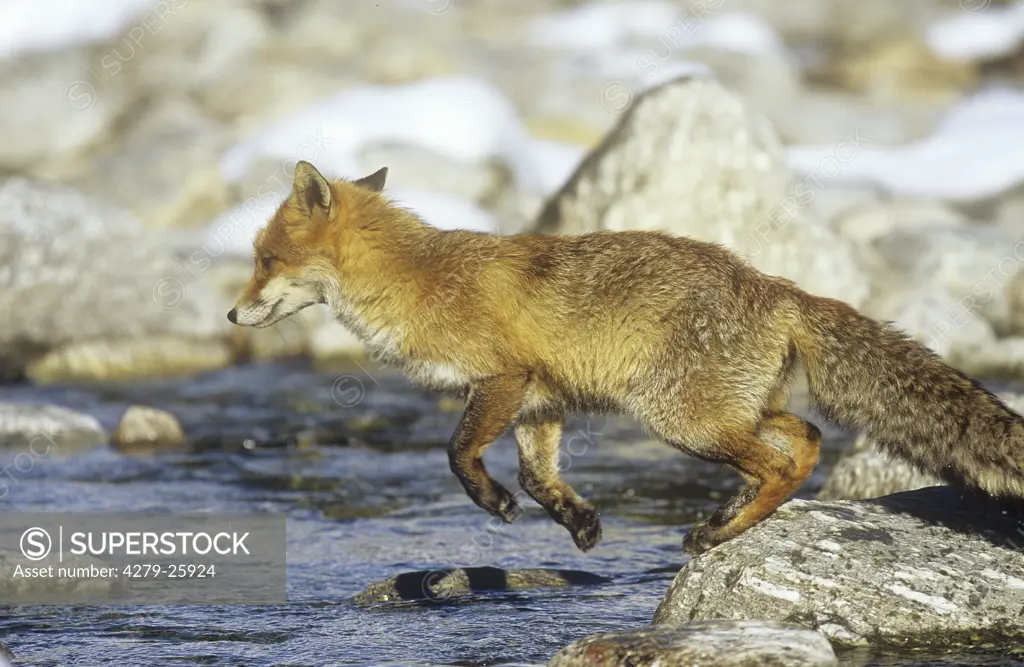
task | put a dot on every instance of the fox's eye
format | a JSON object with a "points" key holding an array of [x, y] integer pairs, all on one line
{"points": [[267, 263]]}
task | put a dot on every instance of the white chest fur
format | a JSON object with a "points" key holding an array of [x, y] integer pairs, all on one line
{"points": [[441, 376], [386, 345]]}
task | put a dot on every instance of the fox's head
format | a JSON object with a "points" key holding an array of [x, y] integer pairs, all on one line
{"points": [[296, 253]]}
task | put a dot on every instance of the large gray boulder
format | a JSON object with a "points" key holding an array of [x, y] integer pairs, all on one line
{"points": [[719, 643], [923, 568], [74, 269], [688, 157]]}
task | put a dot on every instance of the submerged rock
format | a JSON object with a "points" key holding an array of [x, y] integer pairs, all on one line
{"points": [[689, 158], [445, 584], [129, 359], [46, 430], [719, 643], [146, 429], [932, 568], [78, 586]]}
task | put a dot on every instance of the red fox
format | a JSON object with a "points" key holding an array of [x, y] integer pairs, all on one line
{"points": [[682, 335]]}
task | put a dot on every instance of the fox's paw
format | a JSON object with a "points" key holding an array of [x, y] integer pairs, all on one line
{"points": [[702, 537], [586, 529], [500, 503]]}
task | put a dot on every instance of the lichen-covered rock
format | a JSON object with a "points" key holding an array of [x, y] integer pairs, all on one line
{"points": [[719, 643], [690, 158], [75, 269], [144, 428], [40, 431], [446, 584], [931, 567]]}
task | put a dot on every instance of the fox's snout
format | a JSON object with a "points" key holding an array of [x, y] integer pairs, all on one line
{"points": [[274, 300]]}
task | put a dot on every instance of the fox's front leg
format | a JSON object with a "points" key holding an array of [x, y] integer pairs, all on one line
{"points": [[492, 406], [538, 441]]}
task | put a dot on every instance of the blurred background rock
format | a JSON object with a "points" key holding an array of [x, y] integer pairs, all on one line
{"points": [[868, 150]]}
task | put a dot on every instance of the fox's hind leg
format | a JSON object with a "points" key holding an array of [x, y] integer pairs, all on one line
{"points": [[775, 460], [538, 441], [493, 405]]}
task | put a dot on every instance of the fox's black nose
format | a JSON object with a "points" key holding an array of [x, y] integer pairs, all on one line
{"points": [[233, 316]]}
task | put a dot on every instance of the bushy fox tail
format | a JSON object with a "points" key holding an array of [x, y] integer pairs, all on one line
{"points": [[869, 375]]}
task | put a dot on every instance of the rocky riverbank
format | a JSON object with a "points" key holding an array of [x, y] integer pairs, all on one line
{"points": [[863, 150], [931, 568]]}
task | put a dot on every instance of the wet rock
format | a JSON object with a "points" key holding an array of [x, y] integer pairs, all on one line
{"points": [[74, 269], [147, 429], [865, 472], [688, 157], [720, 643], [23, 590], [129, 359], [45, 430], [446, 584], [932, 567]]}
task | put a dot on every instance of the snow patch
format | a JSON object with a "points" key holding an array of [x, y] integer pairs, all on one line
{"points": [[49, 25], [462, 118], [995, 32], [968, 157]]}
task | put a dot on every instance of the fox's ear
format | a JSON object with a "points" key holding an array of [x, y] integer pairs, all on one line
{"points": [[374, 181], [310, 189]]}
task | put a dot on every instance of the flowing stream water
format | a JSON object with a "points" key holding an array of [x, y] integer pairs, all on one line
{"points": [[357, 463]]}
